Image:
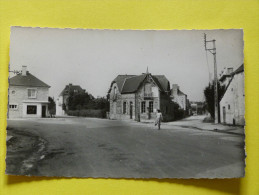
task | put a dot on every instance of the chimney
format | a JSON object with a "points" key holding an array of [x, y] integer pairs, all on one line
{"points": [[230, 70], [69, 87], [175, 88], [24, 70]]}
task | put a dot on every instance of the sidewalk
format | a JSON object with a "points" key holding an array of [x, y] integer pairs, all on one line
{"points": [[196, 122]]}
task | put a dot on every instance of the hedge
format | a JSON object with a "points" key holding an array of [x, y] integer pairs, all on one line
{"points": [[88, 113]]}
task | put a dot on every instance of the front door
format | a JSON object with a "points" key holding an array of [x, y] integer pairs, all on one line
{"points": [[43, 112], [224, 114]]}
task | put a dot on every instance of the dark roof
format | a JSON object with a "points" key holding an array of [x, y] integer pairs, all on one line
{"points": [[224, 76], [131, 83], [70, 88], [165, 84], [238, 70], [120, 79], [29, 80]]}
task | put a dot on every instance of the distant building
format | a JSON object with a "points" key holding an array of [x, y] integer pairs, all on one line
{"points": [[198, 108], [139, 96], [179, 97], [232, 105], [61, 102], [28, 96]]}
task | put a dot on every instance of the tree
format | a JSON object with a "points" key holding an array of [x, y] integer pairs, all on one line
{"points": [[52, 106], [209, 97], [81, 101], [77, 101], [178, 112], [101, 103]]}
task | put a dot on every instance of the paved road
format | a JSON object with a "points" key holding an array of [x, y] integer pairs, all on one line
{"points": [[85, 147]]}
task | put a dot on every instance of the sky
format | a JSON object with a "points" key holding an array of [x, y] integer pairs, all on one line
{"points": [[93, 58]]}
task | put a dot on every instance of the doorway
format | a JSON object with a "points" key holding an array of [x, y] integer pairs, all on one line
{"points": [[43, 112], [224, 114]]}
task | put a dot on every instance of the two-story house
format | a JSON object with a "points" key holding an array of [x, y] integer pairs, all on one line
{"points": [[28, 96], [61, 103], [179, 97], [139, 96]]}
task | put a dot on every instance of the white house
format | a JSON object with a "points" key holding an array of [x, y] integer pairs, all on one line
{"points": [[232, 105], [179, 97], [28, 96], [61, 102]]}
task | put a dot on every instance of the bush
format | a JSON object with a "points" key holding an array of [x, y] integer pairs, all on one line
{"points": [[178, 114], [101, 113], [167, 118]]}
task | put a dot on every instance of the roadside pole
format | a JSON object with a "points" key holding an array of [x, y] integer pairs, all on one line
{"points": [[213, 52]]}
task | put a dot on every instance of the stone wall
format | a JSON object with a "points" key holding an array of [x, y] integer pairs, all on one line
{"points": [[146, 93]]}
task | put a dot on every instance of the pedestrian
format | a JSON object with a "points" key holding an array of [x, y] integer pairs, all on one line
{"points": [[159, 117]]}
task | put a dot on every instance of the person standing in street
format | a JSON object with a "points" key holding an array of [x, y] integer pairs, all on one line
{"points": [[159, 117]]}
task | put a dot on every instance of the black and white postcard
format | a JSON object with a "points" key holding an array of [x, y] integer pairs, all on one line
{"points": [[126, 103]]}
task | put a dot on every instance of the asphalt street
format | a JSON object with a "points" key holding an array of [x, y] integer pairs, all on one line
{"points": [[87, 147]]}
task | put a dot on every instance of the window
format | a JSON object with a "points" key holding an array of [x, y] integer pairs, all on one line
{"points": [[115, 90], [114, 94], [143, 107], [31, 109], [32, 93], [229, 106], [13, 107], [124, 107], [151, 107]]}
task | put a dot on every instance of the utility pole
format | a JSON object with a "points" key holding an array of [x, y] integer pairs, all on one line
{"points": [[213, 52]]}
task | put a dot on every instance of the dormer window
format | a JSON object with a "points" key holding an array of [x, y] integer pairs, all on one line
{"points": [[32, 93]]}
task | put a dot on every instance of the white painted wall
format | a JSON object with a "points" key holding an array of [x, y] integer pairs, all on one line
{"points": [[19, 95], [234, 101]]}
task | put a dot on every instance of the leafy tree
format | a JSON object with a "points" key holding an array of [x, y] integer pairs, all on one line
{"points": [[178, 112], [209, 97], [52, 106], [79, 100], [82, 101], [101, 103]]}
